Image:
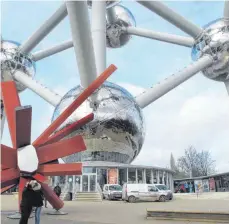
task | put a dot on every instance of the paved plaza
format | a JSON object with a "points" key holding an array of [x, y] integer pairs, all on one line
{"points": [[112, 212]]}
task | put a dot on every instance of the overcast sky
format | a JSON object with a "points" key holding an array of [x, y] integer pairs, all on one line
{"points": [[195, 113]]}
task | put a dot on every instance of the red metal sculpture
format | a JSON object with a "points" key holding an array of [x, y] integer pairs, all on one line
{"points": [[39, 159]]}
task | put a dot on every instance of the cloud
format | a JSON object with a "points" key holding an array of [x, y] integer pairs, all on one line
{"points": [[180, 119]]}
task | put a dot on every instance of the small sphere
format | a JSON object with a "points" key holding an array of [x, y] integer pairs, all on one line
{"points": [[214, 41], [109, 4], [12, 60], [117, 132], [116, 38]]}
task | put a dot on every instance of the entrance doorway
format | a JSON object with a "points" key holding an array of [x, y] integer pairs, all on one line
{"points": [[89, 182]]}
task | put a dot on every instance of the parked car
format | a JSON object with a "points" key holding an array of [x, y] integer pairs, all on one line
{"points": [[146, 192], [164, 188], [112, 191]]}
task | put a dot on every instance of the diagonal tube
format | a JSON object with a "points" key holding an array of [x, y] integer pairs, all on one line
{"points": [[69, 129], [98, 29], [168, 14], [23, 126], [226, 10], [82, 41], [52, 50], [4, 189], [44, 30], [165, 37], [111, 15], [8, 157], [173, 81], [60, 169], [9, 177], [51, 197], [75, 104], [39, 89], [60, 149]]}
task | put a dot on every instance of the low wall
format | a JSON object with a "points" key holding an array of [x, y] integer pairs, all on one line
{"points": [[204, 195]]}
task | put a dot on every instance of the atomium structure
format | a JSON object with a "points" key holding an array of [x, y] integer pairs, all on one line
{"points": [[117, 132]]}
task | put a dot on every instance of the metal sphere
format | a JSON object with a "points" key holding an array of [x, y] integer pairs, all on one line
{"points": [[12, 60], [115, 35], [109, 4], [215, 42], [117, 132]]}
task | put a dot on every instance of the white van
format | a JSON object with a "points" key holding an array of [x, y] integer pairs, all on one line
{"points": [[146, 192], [112, 191]]}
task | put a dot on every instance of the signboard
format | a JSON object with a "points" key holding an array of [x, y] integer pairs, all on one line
{"points": [[198, 186], [112, 176], [212, 184]]}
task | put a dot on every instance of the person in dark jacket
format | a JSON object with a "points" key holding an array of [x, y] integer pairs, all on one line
{"points": [[38, 199], [57, 190], [26, 203]]}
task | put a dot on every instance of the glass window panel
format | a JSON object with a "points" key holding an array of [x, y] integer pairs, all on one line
{"points": [[122, 176], [140, 176], [148, 177], [102, 177], [89, 170], [131, 175], [154, 176], [160, 176]]}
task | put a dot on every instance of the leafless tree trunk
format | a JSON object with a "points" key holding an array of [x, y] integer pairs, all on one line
{"points": [[195, 163]]}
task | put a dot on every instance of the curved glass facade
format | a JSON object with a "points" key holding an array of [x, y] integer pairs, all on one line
{"points": [[95, 177]]}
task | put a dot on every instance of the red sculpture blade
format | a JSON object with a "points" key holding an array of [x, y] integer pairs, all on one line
{"points": [[76, 103], [60, 149], [39, 177], [9, 177], [69, 129], [11, 101], [4, 189], [51, 197], [60, 169], [23, 126], [8, 157]]}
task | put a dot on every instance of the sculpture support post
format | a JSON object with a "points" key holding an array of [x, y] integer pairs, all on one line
{"points": [[52, 50], [82, 41], [173, 81], [168, 14], [98, 27], [44, 30]]}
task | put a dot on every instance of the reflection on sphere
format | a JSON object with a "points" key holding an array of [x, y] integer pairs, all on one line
{"points": [[117, 132], [115, 36], [12, 60], [215, 42], [109, 4]]}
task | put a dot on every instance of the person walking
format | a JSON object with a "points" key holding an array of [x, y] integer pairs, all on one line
{"points": [[26, 204], [57, 190], [38, 199]]}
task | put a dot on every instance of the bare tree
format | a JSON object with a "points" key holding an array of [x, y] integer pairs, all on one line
{"points": [[206, 163], [177, 173], [195, 163]]}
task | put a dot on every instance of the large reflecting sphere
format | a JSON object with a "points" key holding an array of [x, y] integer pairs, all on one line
{"points": [[214, 41], [115, 36], [12, 60], [117, 132], [109, 4]]}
